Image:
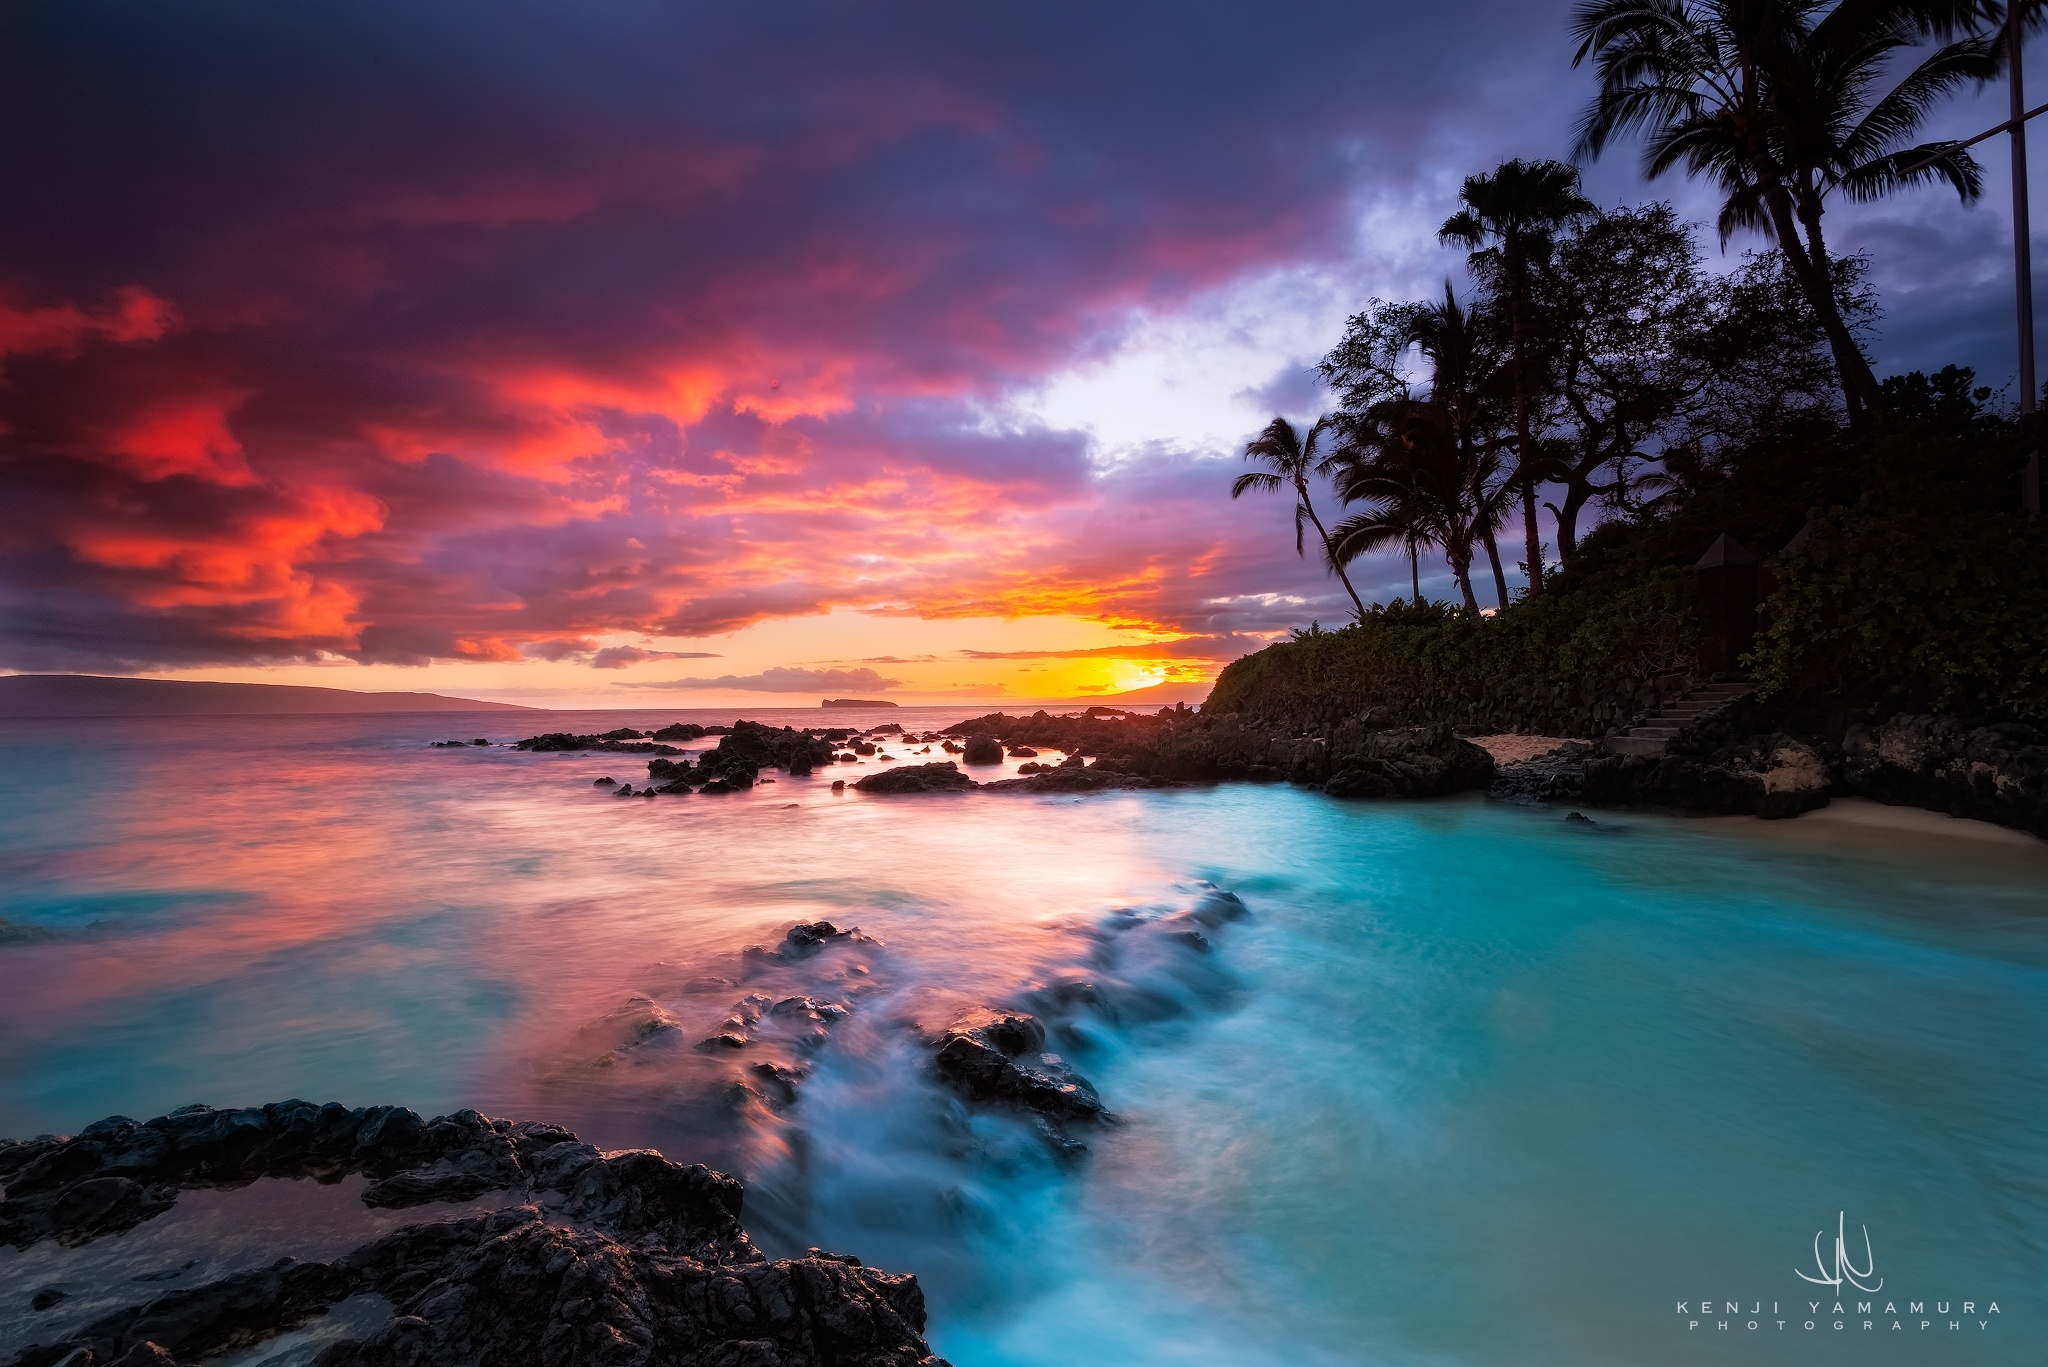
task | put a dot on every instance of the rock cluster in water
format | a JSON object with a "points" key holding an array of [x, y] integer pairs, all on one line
{"points": [[744, 1075], [618, 1259], [1128, 750], [1180, 745]]}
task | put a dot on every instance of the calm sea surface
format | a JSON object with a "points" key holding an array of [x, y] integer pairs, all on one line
{"points": [[1467, 1086]]}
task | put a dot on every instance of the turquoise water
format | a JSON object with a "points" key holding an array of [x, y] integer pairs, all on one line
{"points": [[1467, 1085]]}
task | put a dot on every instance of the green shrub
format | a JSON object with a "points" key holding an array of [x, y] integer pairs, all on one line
{"points": [[1929, 592], [1405, 649]]}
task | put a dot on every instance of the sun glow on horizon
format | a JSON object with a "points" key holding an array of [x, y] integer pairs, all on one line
{"points": [[792, 662]]}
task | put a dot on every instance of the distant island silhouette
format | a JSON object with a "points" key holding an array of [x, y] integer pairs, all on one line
{"points": [[854, 702], [99, 695]]}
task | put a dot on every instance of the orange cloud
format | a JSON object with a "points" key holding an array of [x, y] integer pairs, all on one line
{"points": [[250, 563]]}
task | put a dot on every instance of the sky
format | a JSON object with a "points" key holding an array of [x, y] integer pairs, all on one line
{"points": [[635, 354]]}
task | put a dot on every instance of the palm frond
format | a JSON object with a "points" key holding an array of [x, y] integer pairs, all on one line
{"points": [[1462, 229], [1883, 176], [1900, 112]]}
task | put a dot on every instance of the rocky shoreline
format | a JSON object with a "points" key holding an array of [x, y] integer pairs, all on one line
{"points": [[1749, 759], [1104, 750], [616, 1259], [1751, 763]]}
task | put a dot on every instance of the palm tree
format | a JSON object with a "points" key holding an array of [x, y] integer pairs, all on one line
{"points": [[1465, 378], [1402, 517], [1428, 467], [1513, 214], [1783, 103], [1293, 458], [1402, 462]]}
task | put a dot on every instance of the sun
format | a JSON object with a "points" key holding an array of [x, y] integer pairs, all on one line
{"points": [[1128, 675]]}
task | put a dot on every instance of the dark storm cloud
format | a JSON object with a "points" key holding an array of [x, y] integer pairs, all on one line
{"points": [[451, 330]]}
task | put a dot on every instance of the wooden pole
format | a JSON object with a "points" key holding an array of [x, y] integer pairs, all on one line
{"points": [[2023, 252]]}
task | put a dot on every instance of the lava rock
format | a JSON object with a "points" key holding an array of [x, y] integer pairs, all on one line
{"points": [[1769, 776], [1061, 779], [801, 941], [942, 777], [993, 1058], [1992, 773], [117, 1172], [1797, 780], [631, 1261], [982, 748], [564, 741], [1424, 762]]}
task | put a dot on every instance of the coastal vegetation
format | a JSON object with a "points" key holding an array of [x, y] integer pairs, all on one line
{"points": [[1596, 365]]}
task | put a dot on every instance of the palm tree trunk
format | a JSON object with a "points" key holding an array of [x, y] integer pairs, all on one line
{"points": [[1500, 579], [1414, 572], [1525, 447], [1815, 279], [1532, 536], [1459, 553], [1329, 557], [1869, 390]]}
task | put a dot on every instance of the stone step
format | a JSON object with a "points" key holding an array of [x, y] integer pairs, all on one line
{"points": [[1636, 745], [1661, 732]]}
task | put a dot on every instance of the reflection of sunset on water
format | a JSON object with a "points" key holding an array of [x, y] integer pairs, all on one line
{"points": [[1374, 1102], [394, 878]]}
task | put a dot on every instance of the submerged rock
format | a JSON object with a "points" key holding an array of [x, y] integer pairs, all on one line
{"points": [[802, 941], [995, 1057], [619, 1260], [1062, 779], [618, 741]]}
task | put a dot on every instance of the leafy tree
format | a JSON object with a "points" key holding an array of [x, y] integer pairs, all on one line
{"points": [[1292, 459], [1621, 308], [1511, 217], [1783, 103], [1655, 364]]}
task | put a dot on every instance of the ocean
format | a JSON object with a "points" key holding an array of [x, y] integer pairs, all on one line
{"points": [[1466, 1084]]}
